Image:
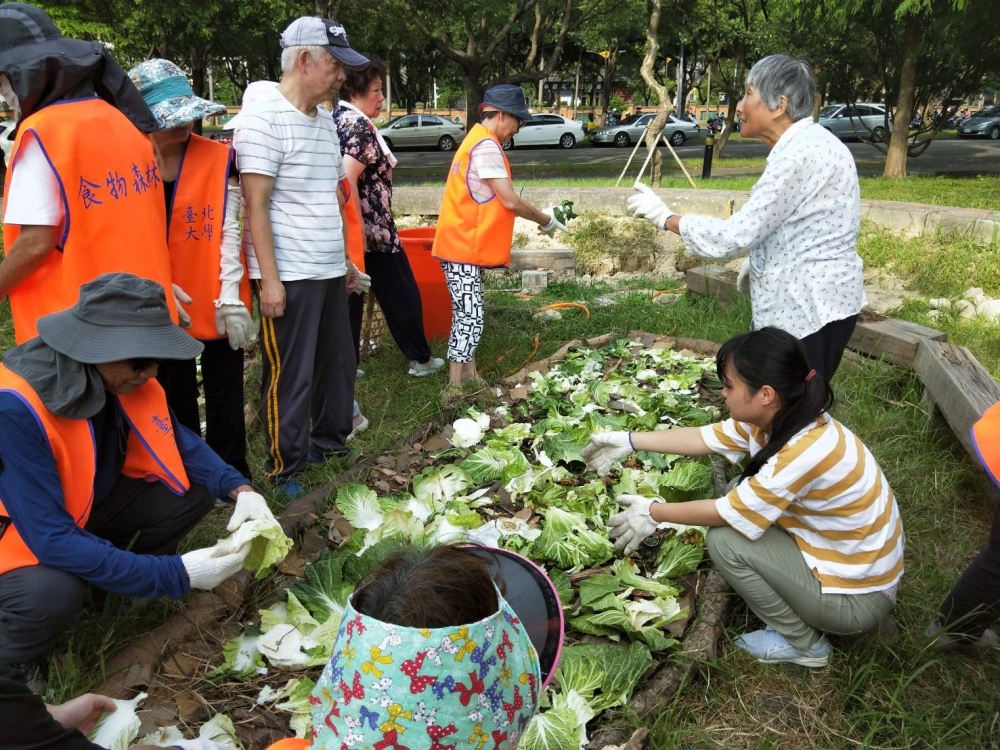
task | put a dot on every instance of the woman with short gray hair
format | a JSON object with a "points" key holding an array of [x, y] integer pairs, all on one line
{"points": [[800, 225]]}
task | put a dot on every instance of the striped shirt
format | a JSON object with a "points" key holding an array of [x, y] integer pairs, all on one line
{"points": [[826, 490], [302, 154]]}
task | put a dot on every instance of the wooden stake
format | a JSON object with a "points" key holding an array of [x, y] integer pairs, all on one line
{"points": [[632, 155]]}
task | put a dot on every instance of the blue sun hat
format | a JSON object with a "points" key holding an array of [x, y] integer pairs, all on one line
{"points": [[165, 88], [507, 98]]}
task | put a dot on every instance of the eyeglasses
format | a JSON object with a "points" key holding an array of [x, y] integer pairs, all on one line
{"points": [[141, 365]]}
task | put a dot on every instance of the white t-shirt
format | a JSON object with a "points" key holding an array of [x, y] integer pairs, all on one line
{"points": [[302, 153], [35, 198], [800, 228], [485, 163]]}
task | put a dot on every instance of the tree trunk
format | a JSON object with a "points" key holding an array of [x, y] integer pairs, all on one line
{"points": [[473, 96], [198, 70], [895, 158], [646, 71]]}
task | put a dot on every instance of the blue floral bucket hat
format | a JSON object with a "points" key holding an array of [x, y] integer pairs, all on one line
{"points": [[166, 90]]}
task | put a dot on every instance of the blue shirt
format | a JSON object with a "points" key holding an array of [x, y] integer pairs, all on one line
{"points": [[33, 497]]}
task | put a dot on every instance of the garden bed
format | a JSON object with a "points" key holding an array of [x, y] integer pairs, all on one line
{"points": [[174, 663]]}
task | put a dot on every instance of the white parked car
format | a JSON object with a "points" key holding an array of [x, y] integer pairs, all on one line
{"points": [[548, 130]]}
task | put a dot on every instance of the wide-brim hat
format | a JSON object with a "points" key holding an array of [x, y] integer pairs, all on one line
{"points": [[533, 597], [165, 88], [312, 31], [118, 316], [251, 97], [507, 98]]}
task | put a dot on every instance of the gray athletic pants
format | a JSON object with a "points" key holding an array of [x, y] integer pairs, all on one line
{"points": [[308, 375], [773, 578]]}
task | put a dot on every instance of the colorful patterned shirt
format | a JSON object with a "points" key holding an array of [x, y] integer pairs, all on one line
{"points": [[357, 139]]}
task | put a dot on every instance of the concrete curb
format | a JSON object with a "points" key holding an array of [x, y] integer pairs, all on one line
{"points": [[906, 219]]}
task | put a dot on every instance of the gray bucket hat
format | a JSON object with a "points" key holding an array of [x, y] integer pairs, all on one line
{"points": [[118, 316], [507, 98], [167, 92]]}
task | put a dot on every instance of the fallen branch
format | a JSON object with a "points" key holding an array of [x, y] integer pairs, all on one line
{"points": [[698, 648]]}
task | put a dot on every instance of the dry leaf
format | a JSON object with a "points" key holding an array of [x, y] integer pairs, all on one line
{"points": [[525, 514], [436, 443]]}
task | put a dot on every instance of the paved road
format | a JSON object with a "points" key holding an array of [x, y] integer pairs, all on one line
{"points": [[951, 157]]}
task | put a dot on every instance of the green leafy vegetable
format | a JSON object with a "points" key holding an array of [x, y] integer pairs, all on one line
{"points": [[604, 674], [241, 658], [679, 554], [440, 484], [555, 729], [567, 541], [116, 729]]}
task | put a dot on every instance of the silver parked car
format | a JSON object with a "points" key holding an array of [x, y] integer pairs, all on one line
{"points": [[423, 131], [982, 124], [864, 119], [629, 130]]}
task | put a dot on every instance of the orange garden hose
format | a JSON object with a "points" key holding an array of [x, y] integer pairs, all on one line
{"points": [[561, 305], [534, 351]]}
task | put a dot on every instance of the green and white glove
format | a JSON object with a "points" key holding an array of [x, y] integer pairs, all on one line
{"points": [[605, 448], [633, 524], [553, 225]]}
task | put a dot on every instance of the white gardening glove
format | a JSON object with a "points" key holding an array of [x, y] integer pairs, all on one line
{"points": [[249, 507], [647, 205], [553, 225], [182, 298], [232, 319], [633, 524], [605, 448], [743, 278], [364, 283], [207, 568], [200, 743]]}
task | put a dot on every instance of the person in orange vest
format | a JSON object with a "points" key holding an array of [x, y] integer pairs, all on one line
{"points": [[98, 482], [476, 223], [968, 616], [81, 175], [201, 190]]}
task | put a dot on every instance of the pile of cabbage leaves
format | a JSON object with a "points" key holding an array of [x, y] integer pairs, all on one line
{"points": [[513, 478]]}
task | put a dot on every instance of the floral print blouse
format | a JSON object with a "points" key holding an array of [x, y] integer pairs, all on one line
{"points": [[357, 139]]}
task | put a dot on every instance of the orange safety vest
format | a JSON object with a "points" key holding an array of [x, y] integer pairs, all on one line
{"points": [[194, 231], [152, 454], [355, 226], [986, 438], [469, 231], [112, 195]]}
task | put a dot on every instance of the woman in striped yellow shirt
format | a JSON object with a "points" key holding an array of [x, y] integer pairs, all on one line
{"points": [[810, 536]]}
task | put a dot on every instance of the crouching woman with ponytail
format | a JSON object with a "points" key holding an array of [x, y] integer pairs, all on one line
{"points": [[810, 536]]}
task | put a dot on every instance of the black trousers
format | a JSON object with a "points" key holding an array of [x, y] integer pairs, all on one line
{"points": [[973, 604], [308, 375], [38, 604], [825, 348], [222, 380], [398, 295]]}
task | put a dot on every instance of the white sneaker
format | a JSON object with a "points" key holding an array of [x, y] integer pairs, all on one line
{"points": [[768, 646], [360, 424], [429, 367]]}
